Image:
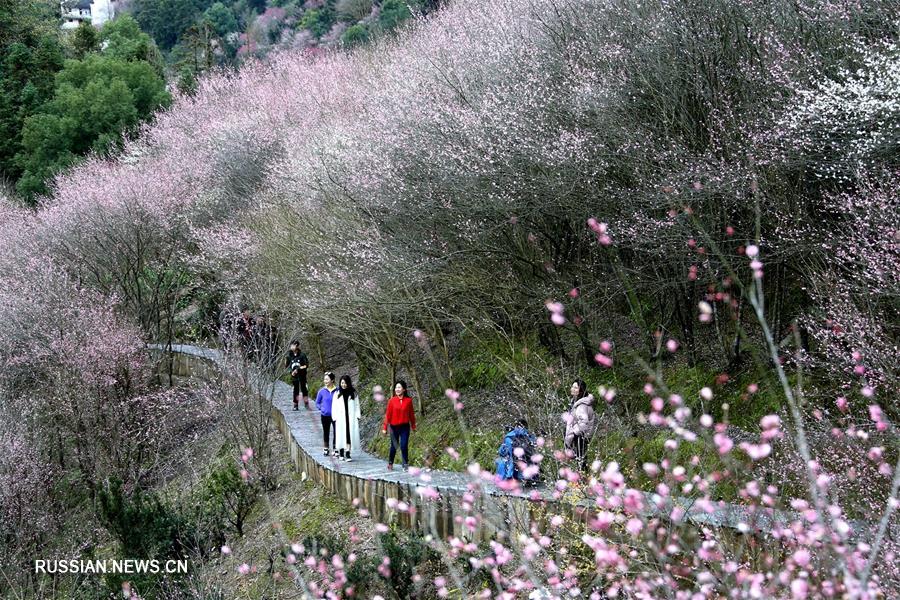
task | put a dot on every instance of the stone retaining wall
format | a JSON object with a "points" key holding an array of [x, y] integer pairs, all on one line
{"points": [[369, 483]]}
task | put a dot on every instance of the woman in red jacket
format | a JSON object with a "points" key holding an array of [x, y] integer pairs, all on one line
{"points": [[399, 419]]}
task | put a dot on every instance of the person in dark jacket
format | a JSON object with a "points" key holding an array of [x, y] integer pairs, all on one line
{"points": [[298, 365], [399, 421]]}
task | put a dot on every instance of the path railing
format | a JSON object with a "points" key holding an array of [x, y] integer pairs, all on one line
{"points": [[409, 498]]}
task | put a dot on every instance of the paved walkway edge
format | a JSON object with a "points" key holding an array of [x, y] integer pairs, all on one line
{"points": [[368, 483]]}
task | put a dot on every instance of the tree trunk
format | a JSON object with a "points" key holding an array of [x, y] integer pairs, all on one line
{"points": [[320, 351], [418, 385]]}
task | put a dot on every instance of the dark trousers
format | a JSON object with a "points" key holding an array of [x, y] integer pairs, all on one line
{"points": [[328, 432], [299, 388], [399, 437], [579, 446], [346, 426]]}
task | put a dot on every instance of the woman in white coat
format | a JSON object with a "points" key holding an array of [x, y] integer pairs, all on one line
{"points": [[345, 412], [580, 423]]}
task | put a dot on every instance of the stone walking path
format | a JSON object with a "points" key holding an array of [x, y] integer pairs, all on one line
{"points": [[367, 480], [306, 430]]}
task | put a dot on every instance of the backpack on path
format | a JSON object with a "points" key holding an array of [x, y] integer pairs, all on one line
{"points": [[517, 447]]}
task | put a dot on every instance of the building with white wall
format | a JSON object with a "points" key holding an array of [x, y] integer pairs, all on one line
{"points": [[96, 12]]}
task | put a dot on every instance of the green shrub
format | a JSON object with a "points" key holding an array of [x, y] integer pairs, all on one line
{"points": [[142, 523], [224, 493], [361, 573], [406, 552], [318, 21], [355, 35], [145, 528], [393, 13]]}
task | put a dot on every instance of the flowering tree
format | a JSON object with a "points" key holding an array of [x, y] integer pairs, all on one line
{"points": [[630, 187], [25, 476]]}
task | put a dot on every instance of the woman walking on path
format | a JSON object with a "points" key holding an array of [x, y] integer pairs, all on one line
{"points": [[580, 422], [323, 403], [345, 412], [400, 420]]}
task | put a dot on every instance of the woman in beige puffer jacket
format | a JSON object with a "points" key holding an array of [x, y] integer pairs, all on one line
{"points": [[580, 421]]}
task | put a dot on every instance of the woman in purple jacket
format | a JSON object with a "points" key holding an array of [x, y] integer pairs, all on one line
{"points": [[323, 403]]}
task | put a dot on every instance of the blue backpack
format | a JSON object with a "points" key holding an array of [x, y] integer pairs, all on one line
{"points": [[507, 463]]}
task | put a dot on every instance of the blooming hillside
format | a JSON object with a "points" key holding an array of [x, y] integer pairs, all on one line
{"points": [[692, 205]]}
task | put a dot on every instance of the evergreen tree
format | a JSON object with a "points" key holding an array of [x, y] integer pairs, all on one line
{"points": [[167, 20], [27, 70], [123, 39], [96, 100], [84, 40]]}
